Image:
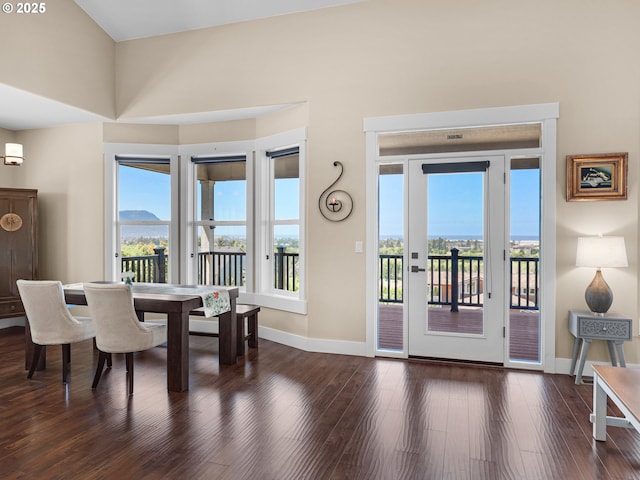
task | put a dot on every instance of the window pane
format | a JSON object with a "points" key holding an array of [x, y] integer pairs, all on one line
{"points": [[286, 257], [144, 192], [144, 199], [230, 200], [286, 188], [222, 255], [222, 191], [145, 252]]}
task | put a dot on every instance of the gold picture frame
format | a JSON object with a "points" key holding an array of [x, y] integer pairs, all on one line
{"points": [[597, 177]]}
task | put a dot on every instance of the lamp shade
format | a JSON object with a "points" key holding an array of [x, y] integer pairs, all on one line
{"points": [[601, 252], [13, 154]]}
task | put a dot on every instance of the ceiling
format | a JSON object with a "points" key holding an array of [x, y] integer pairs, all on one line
{"points": [[131, 19]]}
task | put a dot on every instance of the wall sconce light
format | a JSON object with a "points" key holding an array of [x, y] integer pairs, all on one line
{"points": [[599, 252], [335, 205], [13, 154]]}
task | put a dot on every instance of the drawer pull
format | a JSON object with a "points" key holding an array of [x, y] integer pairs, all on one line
{"points": [[604, 329]]}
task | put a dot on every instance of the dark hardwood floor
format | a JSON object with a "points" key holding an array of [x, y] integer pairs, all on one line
{"points": [[282, 413]]}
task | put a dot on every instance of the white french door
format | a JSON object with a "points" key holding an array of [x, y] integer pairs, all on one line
{"points": [[456, 258]]}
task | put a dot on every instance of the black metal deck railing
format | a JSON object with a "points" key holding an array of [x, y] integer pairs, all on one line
{"points": [[458, 280], [148, 268], [229, 268], [215, 268]]}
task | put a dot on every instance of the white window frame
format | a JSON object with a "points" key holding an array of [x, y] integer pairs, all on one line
{"points": [[183, 267], [189, 237], [111, 229], [264, 292]]}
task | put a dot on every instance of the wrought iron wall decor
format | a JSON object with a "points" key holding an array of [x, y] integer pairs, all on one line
{"points": [[335, 205]]}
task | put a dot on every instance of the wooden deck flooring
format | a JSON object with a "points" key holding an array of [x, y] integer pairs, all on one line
{"points": [[524, 338]]}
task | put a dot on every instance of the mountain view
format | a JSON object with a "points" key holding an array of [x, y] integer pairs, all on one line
{"points": [[135, 232]]}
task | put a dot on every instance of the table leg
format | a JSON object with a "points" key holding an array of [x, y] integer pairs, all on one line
{"points": [[612, 353], [252, 330], [29, 347], [239, 335], [228, 335], [178, 351], [620, 354], [599, 410], [574, 357], [586, 343]]}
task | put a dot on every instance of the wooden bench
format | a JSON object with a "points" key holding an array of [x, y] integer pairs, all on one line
{"points": [[622, 386], [250, 312]]}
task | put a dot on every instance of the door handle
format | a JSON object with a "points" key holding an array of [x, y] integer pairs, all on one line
{"points": [[416, 269]]}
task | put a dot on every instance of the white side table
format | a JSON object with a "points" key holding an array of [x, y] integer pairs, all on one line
{"points": [[586, 326]]}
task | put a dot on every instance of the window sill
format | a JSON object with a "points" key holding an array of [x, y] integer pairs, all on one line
{"points": [[277, 302]]}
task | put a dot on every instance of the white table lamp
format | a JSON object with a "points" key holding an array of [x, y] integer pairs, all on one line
{"points": [[600, 252]]}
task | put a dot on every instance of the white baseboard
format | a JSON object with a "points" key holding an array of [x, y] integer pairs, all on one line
{"points": [[12, 322], [317, 345], [563, 365], [290, 339]]}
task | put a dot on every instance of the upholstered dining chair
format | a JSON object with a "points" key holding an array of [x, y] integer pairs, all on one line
{"points": [[118, 329], [50, 321]]}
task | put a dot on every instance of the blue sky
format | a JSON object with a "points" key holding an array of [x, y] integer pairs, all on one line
{"points": [[144, 190], [454, 198], [456, 209], [147, 190]]}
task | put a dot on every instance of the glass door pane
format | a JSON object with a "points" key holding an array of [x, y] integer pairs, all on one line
{"points": [[455, 266], [524, 256], [390, 257]]}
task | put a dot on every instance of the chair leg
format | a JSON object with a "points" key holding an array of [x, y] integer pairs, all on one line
{"points": [[36, 357], [109, 361], [66, 362], [102, 357], [129, 362]]}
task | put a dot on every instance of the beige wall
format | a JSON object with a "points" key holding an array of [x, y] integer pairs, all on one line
{"points": [[65, 165], [380, 57], [60, 54], [147, 134]]}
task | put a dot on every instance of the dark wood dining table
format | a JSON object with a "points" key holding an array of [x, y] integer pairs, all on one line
{"points": [[177, 307]]}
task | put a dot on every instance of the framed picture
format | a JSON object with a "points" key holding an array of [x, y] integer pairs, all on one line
{"points": [[597, 177]]}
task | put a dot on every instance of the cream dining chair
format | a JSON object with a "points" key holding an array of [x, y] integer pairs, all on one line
{"points": [[118, 329], [50, 321]]}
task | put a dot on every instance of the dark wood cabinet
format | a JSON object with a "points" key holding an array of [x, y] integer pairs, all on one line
{"points": [[18, 246]]}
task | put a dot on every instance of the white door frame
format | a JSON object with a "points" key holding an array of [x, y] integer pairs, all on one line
{"points": [[546, 114]]}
